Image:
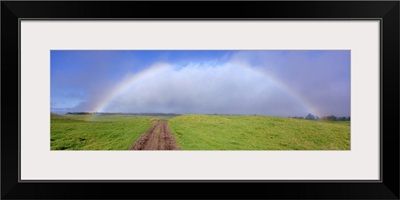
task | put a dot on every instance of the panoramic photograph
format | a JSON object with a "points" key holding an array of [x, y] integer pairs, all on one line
{"points": [[200, 100]]}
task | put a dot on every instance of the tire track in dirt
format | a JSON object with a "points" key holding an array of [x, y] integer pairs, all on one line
{"points": [[158, 137]]}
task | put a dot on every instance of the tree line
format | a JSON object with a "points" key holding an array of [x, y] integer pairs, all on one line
{"points": [[105, 113], [323, 118]]}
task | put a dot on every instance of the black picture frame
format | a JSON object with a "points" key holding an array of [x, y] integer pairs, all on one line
{"points": [[13, 11]]}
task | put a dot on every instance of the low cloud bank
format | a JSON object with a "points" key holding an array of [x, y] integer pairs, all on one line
{"points": [[223, 89]]}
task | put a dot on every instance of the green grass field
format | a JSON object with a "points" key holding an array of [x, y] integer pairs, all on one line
{"points": [[200, 132], [108, 132], [209, 132]]}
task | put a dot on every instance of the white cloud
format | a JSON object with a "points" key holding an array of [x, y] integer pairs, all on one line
{"points": [[207, 88]]}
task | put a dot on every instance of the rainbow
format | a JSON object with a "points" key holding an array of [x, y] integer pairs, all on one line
{"points": [[124, 85]]}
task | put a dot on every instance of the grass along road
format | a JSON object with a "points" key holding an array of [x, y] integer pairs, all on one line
{"points": [[210, 132], [115, 132]]}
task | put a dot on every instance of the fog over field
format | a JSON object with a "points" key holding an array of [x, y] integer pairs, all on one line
{"points": [[277, 83]]}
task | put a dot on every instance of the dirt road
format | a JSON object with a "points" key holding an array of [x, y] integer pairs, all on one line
{"points": [[158, 137]]}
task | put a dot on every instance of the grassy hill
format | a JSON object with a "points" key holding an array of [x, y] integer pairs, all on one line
{"points": [[200, 132], [111, 132], [210, 132]]}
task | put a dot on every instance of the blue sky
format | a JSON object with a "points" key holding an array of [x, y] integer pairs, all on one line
{"points": [[263, 82]]}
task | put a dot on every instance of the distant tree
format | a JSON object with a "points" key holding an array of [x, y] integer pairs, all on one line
{"points": [[310, 117], [332, 118], [296, 117]]}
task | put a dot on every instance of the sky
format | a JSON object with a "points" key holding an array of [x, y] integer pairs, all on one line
{"points": [[244, 82]]}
